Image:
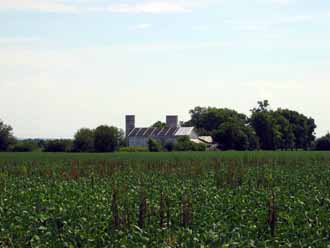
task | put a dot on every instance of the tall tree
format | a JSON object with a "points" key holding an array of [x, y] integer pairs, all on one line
{"points": [[6, 136], [107, 139], [207, 120], [159, 124], [283, 128], [302, 127], [58, 145], [265, 125], [287, 138], [231, 136], [84, 140], [229, 128], [323, 143]]}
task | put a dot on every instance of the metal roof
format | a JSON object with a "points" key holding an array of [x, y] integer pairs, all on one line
{"points": [[160, 132], [184, 131]]}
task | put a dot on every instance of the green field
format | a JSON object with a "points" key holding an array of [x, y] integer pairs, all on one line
{"points": [[207, 199]]}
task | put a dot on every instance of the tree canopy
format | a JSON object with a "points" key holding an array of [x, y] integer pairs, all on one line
{"points": [[107, 139], [282, 128], [6, 136], [84, 140], [159, 124], [323, 143], [265, 128], [228, 128]]}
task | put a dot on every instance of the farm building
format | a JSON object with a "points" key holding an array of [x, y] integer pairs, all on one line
{"points": [[140, 136]]}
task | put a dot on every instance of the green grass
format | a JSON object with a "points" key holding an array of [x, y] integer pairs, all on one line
{"points": [[40, 156], [213, 199]]}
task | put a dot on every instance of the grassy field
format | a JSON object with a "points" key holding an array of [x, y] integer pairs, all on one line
{"points": [[210, 199], [42, 156]]}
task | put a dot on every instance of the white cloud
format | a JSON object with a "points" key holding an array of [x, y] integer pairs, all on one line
{"points": [[17, 40], [143, 26], [153, 7], [282, 2], [201, 28], [141, 6], [37, 5], [296, 19]]}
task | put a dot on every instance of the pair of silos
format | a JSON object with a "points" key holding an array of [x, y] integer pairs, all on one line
{"points": [[172, 121]]}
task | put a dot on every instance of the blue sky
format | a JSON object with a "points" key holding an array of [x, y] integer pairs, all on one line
{"points": [[80, 63]]}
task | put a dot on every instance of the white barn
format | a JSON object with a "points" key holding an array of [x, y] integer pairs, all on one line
{"points": [[140, 136]]}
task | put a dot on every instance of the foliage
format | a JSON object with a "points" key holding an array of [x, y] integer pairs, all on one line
{"points": [[228, 128], [199, 147], [154, 146], [185, 144], [159, 124], [169, 146], [207, 120], [223, 199], [84, 140], [323, 143], [134, 149], [107, 139], [6, 136], [58, 145], [232, 136], [265, 128], [303, 128], [25, 146], [282, 129]]}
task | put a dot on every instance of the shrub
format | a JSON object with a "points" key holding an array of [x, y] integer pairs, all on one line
{"points": [[184, 144], [58, 145], [169, 146], [25, 146], [154, 145], [199, 147], [323, 143], [107, 139], [134, 149], [6, 137], [84, 140]]}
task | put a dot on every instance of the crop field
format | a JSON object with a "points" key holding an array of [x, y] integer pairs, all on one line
{"points": [[210, 199]]}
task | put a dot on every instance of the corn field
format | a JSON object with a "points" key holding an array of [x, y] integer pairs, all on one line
{"points": [[232, 199]]}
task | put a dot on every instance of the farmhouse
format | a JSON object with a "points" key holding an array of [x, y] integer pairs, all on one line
{"points": [[140, 136]]}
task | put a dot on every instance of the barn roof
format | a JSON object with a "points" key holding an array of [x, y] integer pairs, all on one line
{"points": [[160, 132]]}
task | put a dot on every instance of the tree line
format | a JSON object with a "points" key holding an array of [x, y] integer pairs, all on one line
{"points": [[264, 129]]}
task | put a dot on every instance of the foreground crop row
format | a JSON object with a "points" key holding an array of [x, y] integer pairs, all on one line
{"points": [[222, 202]]}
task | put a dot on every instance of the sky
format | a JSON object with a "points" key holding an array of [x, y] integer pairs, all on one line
{"points": [[68, 64]]}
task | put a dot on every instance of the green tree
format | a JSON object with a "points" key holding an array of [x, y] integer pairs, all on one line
{"points": [[107, 139], [207, 120], [6, 137], [25, 146], [287, 140], [231, 136], [154, 145], [303, 128], [58, 145], [199, 147], [323, 143], [228, 128], [283, 128], [264, 122], [159, 124], [84, 140], [183, 144], [169, 146]]}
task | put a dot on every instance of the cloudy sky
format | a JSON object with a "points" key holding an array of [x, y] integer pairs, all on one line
{"points": [[66, 64]]}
